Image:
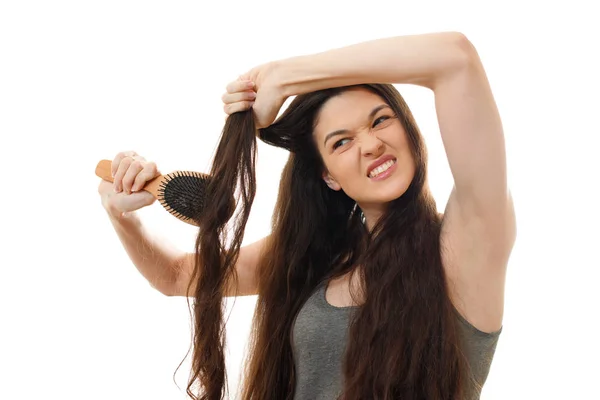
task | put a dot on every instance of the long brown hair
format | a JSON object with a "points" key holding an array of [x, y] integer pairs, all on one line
{"points": [[403, 339]]}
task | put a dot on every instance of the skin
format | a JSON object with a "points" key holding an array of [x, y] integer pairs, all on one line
{"points": [[347, 156], [479, 225]]}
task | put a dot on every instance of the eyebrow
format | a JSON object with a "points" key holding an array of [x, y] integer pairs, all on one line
{"points": [[343, 131]]}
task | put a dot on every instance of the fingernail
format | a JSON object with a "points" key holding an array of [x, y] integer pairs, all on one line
{"points": [[250, 84]]}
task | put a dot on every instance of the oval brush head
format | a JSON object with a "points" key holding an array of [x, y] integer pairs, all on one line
{"points": [[181, 193]]}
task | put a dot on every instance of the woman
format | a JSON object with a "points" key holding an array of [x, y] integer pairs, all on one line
{"points": [[364, 290]]}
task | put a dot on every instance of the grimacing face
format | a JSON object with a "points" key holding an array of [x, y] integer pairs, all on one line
{"points": [[354, 130]]}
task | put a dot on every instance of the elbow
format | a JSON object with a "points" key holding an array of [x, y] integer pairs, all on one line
{"points": [[458, 57], [162, 290], [465, 48]]}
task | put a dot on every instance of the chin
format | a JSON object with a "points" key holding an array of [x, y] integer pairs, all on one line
{"points": [[389, 195], [384, 193], [391, 188]]}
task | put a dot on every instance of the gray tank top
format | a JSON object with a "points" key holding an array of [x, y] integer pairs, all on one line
{"points": [[319, 341]]}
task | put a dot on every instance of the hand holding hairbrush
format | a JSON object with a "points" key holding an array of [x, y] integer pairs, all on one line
{"points": [[181, 193]]}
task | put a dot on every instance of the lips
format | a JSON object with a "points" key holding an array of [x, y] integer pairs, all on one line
{"points": [[381, 160]]}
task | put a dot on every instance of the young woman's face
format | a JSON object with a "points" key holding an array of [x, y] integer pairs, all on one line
{"points": [[355, 130]]}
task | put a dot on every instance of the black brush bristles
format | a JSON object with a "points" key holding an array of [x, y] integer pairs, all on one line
{"points": [[183, 194]]}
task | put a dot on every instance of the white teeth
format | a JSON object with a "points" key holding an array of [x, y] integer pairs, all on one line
{"points": [[383, 167]]}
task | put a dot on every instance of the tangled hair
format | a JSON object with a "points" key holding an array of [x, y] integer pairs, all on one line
{"points": [[403, 339]]}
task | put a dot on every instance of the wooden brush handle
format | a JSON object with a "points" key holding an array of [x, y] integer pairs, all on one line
{"points": [[103, 170]]}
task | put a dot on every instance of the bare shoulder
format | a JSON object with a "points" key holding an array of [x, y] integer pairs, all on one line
{"points": [[246, 268], [475, 255]]}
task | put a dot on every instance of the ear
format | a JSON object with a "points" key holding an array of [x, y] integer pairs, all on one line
{"points": [[332, 183]]}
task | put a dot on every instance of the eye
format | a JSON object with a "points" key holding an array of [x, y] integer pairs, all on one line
{"points": [[337, 144], [380, 119]]}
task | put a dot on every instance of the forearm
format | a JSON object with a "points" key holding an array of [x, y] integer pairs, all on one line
{"points": [[155, 260], [414, 59]]}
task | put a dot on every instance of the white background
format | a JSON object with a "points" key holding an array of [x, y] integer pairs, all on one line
{"points": [[82, 80]]}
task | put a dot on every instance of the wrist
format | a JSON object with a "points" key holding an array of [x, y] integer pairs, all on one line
{"points": [[300, 75], [277, 77], [120, 217]]}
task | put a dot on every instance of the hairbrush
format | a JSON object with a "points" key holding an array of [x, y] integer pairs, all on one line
{"points": [[181, 193]]}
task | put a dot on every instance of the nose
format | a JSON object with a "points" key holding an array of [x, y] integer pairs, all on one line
{"points": [[371, 145]]}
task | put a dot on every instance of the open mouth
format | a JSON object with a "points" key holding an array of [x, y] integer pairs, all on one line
{"points": [[382, 168]]}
